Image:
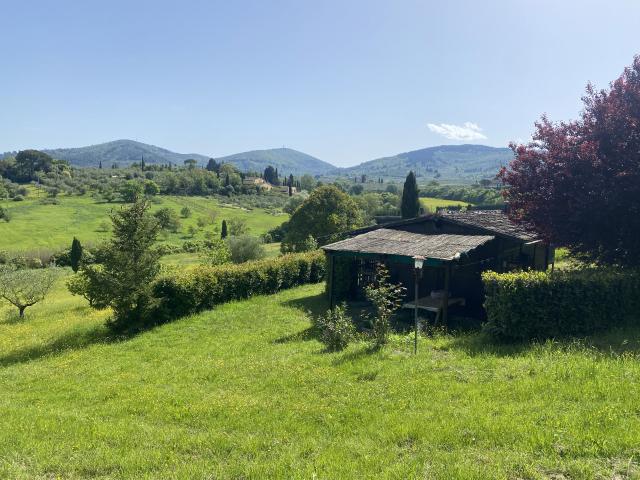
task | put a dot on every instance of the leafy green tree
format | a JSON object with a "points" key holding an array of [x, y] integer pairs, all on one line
{"points": [[151, 188], [167, 219], [213, 166], [28, 162], [131, 191], [130, 264], [324, 215], [410, 205], [271, 175], [293, 203], [75, 255], [190, 163], [307, 182], [237, 227], [224, 233], [356, 189], [244, 248], [24, 287]]}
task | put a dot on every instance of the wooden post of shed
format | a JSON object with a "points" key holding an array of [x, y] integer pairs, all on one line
{"points": [[330, 280], [445, 305]]}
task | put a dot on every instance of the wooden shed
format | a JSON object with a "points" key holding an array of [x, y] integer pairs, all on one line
{"points": [[457, 246]]}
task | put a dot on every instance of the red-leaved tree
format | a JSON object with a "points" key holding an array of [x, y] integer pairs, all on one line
{"points": [[578, 183]]}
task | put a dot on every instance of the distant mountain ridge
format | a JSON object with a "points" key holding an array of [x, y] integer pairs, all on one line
{"points": [[126, 152], [444, 162], [122, 152], [286, 160]]}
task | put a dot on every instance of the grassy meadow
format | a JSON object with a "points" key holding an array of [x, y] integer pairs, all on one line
{"points": [[231, 394], [434, 203], [36, 225]]}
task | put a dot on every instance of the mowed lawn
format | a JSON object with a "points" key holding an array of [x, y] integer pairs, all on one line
{"points": [[246, 391], [434, 203], [34, 225]]}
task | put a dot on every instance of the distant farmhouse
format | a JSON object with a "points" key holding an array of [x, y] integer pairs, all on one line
{"points": [[453, 248], [263, 184], [257, 182]]}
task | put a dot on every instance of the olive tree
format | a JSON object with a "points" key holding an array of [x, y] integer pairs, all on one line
{"points": [[23, 287]]}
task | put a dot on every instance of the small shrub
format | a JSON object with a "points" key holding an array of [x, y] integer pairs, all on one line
{"points": [[185, 212], [336, 328], [168, 249], [4, 214], [167, 219], [386, 298], [245, 248], [33, 262], [18, 198]]}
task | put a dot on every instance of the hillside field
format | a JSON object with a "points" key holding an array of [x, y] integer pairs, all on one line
{"points": [[231, 394], [434, 203], [34, 225]]}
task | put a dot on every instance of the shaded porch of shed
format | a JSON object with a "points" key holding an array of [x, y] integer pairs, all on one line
{"points": [[451, 263]]}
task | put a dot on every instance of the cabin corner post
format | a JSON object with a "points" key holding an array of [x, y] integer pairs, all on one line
{"points": [[445, 304], [330, 279]]}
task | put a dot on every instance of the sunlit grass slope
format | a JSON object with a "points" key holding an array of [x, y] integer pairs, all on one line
{"points": [[246, 391], [34, 225]]}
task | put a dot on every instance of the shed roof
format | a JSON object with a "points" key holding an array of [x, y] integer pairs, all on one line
{"points": [[384, 241], [494, 221]]}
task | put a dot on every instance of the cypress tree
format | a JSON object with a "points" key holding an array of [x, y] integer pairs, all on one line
{"points": [[75, 257], [223, 233], [410, 206], [100, 165]]}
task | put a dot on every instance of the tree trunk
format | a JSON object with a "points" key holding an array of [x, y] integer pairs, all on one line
{"points": [[21, 311]]}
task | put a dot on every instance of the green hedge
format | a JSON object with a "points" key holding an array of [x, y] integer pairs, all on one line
{"points": [[528, 305], [203, 287]]}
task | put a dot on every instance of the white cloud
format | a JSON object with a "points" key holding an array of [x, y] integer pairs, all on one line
{"points": [[466, 132]]}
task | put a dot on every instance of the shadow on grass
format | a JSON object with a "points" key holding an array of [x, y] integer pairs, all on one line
{"points": [[613, 343], [301, 336], [71, 341], [315, 305], [12, 318], [363, 352]]}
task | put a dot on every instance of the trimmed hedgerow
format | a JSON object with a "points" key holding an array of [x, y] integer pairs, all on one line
{"points": [[528, 305], [203, 287]]}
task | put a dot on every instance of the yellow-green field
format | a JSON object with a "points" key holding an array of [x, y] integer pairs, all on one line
{"points": [[34, 225], [434, 203]]}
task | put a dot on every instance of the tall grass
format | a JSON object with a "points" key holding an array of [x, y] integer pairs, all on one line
{"points": [[247, 391]]}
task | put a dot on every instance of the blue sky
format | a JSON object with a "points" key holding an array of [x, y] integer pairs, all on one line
{"points": [[345, 81]]}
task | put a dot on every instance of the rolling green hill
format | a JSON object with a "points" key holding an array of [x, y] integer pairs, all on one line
{"points": [[125, 152], [449, 161], [444, 162], [285, 160], [122, 152]]}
